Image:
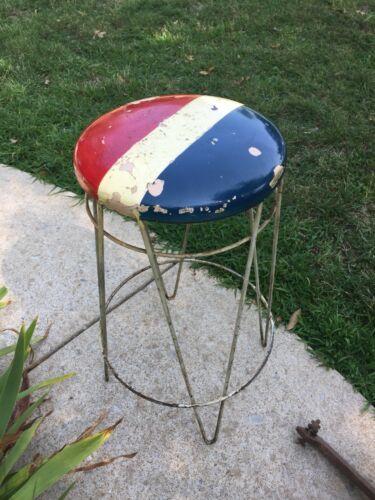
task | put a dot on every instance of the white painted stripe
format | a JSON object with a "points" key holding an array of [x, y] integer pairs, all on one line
{"points": [[128, 179]]}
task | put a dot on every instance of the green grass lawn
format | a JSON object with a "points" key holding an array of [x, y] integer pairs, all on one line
{"points": [[307, 65]]}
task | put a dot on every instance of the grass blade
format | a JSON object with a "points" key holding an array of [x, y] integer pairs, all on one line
{"points": [[15, 453], [15, 481], [12, 384], [3, 292], [12, 348], [26, 414], [61, 463], [44, 383], [29, 333]]}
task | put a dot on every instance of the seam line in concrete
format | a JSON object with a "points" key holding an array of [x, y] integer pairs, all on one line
{"points": [[93, 321]]}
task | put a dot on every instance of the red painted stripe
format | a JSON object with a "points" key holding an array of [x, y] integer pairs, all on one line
{"points": [[114, 133]]}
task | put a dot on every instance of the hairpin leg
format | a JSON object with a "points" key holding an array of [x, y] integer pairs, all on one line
{"points": [[99, 247]]}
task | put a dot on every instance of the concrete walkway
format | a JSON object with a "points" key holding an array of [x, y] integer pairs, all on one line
{"points": [[48, 263]]}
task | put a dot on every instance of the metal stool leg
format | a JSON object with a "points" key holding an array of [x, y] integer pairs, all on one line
{"points": [[163, 298], [257, 285], [241, 304], [99, 246], [279, 192], [180, 264]]}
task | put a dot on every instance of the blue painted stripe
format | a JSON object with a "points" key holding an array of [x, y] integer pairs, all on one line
{"points": [[217, 176]]}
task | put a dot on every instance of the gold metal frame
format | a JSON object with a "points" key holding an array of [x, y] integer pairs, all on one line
{"points": [[255, 227]]}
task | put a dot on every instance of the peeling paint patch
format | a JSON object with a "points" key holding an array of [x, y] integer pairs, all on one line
{"points": [[143, 208], [103, 140], [115, 203], [155, 188], [127, 167], [186, 210], [159, 209], [219, 210], [255, 151], [277, 173], [214, 108], [214, 141], [133, 189], [234, 198], [160, 147]]}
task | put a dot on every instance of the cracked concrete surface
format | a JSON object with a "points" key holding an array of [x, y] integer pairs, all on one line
{"points": [[48, 263]]}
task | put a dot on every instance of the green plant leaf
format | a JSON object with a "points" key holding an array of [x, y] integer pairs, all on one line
{"points": [[3, 292], [14, 481], [26, 414], [12, 348], [15, 453], [4, 378], [44, 383], [12, 384], [61, 463], [29, 333]]}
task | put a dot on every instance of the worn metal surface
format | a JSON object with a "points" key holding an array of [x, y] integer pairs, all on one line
{"points": [[254, 227]]}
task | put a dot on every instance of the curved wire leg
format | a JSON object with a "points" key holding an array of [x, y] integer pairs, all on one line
{"points": [[99, 247], [163, 298], [279, 192], [180, 264]]}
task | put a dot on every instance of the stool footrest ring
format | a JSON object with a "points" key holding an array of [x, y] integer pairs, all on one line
{"points": [[196, 404]]}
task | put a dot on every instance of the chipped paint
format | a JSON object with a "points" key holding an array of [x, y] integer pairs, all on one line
{"points": [[122, 168], [155, 188], [143, 208], [152, 154], [159, 209], [186, 210], [127, 167], [115, 203], [277, 173], [255, 151]]}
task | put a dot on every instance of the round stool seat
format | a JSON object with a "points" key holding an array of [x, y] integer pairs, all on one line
{"points": [[180, 158]]}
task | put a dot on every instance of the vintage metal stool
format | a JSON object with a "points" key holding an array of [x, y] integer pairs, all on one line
{"points": [[184, 159]]}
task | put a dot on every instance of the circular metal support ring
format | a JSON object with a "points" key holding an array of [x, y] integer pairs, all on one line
{"points": [[207, 253], [198, 404]]}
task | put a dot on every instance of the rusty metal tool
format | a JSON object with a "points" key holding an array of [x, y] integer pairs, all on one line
{"points": [[309, 435]]}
